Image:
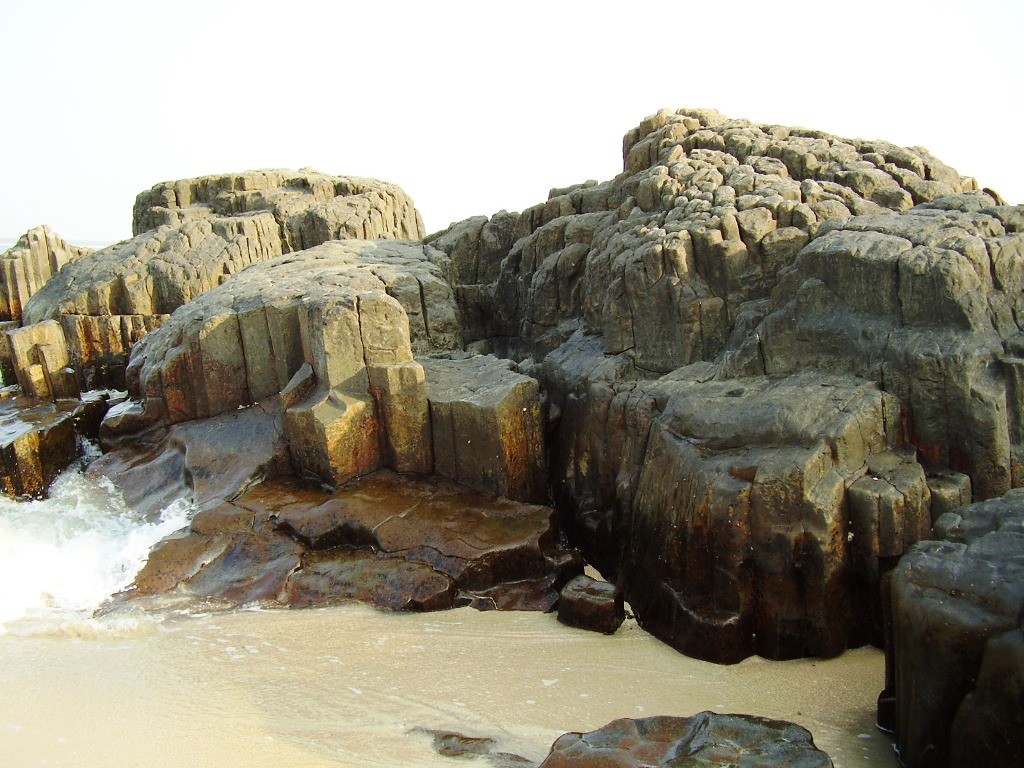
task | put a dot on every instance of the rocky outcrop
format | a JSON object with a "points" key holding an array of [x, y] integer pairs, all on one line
{"points": [[399, 543], [706, 739], [955, 653], [486, 426], [27, 265], [193, 234], [724, 506], [762, 348], [334, 330], [41, 362], [925, 302]]}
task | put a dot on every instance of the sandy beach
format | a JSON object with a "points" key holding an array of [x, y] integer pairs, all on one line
{"points": [[348, 686]]}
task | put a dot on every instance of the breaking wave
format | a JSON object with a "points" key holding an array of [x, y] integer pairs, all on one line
{"points": [[63, 556]]}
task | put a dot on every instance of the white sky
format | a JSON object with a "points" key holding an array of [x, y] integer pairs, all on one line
{"points": [[470, 106]]}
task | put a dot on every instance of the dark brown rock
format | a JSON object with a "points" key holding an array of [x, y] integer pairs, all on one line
{"points": [[397, 542], [955, 653], [591, 604], [201, 462], [38, 441], [333, 576], [706, 739]]}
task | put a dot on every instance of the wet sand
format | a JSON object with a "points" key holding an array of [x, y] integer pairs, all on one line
{"points": [[345, 686]]}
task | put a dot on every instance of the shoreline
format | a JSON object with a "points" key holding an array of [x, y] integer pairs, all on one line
{"points": [[346, 685]]}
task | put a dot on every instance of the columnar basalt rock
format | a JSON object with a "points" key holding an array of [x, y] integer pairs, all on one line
{"points": [[660, 260], [26, 267], [41, 361], [732, 257], [40, 440], [925, 302], [955, 653], [335, 330], [193, 234]]}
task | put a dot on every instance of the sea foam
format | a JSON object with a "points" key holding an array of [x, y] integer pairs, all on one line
{"points": [[63, 556]]}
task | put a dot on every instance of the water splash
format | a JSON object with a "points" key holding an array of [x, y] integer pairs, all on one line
{"points": [[62, 557]]}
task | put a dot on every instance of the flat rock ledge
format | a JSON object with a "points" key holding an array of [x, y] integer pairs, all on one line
{"points": [[396, 542], [955, 653], [706, 739]]}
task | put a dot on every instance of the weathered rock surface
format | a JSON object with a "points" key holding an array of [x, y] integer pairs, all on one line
{"points": [[40, 440], [28, 264], [706, 739], [591, 604], [198, 462], [674, 315], [925, 302], [334, 329], [247, 339], [409, 543], [955, 655], [723, 506], [486, 426], [190, 235], [41, 361], [193, 234]]}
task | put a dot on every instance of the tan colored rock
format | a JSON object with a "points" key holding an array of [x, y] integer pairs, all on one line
{"points": [[99, 346], [400, 392], [26, 267], [41, 361], [190, 235], [40, 440], [248, 337]]}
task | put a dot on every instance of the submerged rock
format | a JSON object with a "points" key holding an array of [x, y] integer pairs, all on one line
{"points": [[706, 739], [38, 441]]}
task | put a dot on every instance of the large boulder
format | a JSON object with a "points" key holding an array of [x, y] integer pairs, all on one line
{"points": [[343, 332], [725, 506], [955, 654]]}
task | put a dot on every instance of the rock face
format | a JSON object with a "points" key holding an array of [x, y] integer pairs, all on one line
{"points": [[193, 234], [26, 267], [955, 655], [399, 543], [762, 348], [706, 739], [334, 329]]}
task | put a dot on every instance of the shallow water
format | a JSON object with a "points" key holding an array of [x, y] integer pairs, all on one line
{"points": [[336, 687]]}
